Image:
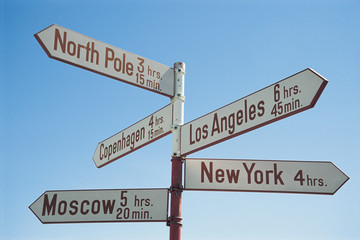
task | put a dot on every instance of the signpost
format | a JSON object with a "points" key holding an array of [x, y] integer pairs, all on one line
{"points": [[263, 176], [123, 205], [287, 97], [76, 49], [147, 130]]}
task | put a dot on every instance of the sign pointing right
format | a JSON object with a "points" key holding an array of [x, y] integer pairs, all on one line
{"points": [[263, 176], [287, 97]]}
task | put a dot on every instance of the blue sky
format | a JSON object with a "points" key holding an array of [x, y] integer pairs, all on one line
{"points": [[53, 114]]}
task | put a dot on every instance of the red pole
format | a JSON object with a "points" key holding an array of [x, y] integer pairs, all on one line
{"points": [[176, 196]]}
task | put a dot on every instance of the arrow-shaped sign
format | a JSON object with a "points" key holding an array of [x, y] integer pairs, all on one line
{"points": [[147, 130], [263, 176], [71, 47], [287, 97], [122, 205]]}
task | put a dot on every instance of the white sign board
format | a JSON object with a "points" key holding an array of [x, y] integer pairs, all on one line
{"points": [[145, 131], [263, 176], [292, 95], [71, 47], [81, 206]]}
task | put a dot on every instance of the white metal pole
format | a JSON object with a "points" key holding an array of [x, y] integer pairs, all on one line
{"points": [[178, 102]]}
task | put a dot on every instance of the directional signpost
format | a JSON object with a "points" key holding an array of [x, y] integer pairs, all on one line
{"points": [[263, 176], [147, 130], [123, 205], [287, 97], [71, 47], [292, 95]]}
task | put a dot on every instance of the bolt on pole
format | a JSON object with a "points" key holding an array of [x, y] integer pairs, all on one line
{"points": [[177, 162]]}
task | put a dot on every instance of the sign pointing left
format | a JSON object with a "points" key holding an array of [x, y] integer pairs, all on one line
{"points": [[147, 130], [76, 49], [120, 205]]}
